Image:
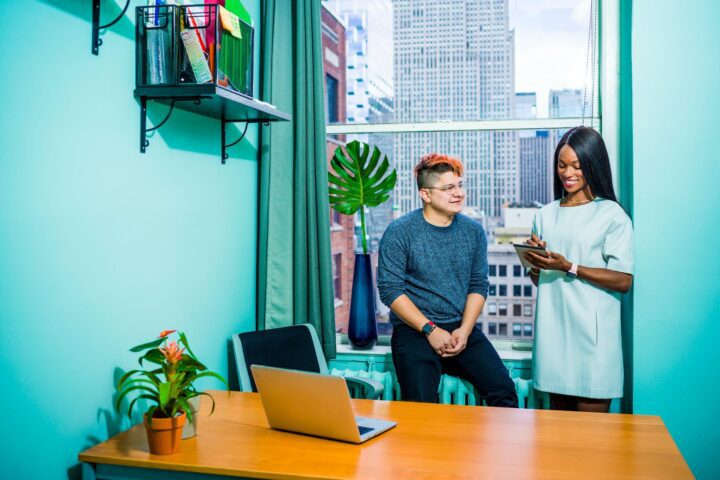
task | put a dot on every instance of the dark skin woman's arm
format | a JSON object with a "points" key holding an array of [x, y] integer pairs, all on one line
{"points": [[602, 277]]}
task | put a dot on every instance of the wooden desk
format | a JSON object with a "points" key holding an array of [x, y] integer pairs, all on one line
{"points": [[430, 441]]}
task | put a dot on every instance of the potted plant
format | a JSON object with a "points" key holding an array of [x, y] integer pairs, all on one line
{"points": [[360, 180], [169, 387]]}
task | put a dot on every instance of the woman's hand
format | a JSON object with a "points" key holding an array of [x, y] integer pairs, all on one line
{"points": [[553, 261], [534, 241]]}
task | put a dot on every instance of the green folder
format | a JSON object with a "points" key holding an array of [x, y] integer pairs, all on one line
{"points": [[236, 54]]}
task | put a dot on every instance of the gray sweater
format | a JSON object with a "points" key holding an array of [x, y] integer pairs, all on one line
{"points": [[436, 267]]}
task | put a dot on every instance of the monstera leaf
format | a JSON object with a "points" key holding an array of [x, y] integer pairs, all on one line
{"points": [[361, 180]]}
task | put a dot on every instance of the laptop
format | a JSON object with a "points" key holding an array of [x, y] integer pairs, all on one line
{"points": [[313, 404]]}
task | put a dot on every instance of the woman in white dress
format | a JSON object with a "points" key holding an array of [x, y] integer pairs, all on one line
{"points": [[577, 355]]}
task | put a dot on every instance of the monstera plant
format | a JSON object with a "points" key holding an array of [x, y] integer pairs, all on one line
{"points": [[361, 180]]}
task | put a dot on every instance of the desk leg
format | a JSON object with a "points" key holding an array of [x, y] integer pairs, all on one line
{"points": [[88, 471]]}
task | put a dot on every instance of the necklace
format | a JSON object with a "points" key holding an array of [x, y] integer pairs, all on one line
{"points": [[583, 202]]}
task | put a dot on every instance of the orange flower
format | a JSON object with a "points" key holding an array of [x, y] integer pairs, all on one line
{"points": [[165, 333], [172, 352]]}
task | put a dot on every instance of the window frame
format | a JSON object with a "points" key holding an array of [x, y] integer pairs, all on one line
{"points": [[606, 121]]}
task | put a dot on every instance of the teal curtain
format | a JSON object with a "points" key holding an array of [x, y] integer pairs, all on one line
{"points": [[294, 262]]}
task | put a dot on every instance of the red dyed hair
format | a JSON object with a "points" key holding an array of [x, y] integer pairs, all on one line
{"points": [[436, 163]]}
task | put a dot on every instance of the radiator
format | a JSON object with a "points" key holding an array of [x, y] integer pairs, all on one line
{"points": [[452, 390]]}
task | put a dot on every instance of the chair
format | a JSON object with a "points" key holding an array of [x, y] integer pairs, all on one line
{"points": [[296, 347]]}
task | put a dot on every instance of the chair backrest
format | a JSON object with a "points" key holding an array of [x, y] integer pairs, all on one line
{"points": [[296, 347]]}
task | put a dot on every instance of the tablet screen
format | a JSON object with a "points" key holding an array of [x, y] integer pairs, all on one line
{"points": [[521, 249]]}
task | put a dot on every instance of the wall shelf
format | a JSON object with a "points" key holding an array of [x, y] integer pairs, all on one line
{"points": [[209, 100], [96, 27]]}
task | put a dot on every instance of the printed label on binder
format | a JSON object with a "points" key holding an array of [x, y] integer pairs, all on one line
{"points": [[195, 54]]}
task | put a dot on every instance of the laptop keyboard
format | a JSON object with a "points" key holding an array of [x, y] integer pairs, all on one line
{"points": [[364, 430]]}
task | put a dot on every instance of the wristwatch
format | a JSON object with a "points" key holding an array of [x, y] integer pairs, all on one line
{"points": [[428, 328], [572, 273]]}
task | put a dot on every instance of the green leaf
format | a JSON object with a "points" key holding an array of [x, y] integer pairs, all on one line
{"points": [[151, 411], [145, 346], [359, 180], [130, 389], [213, 375], [145, 397], [153, 356], [376, 155], [184, 342], [185, 406], [164, 392]]}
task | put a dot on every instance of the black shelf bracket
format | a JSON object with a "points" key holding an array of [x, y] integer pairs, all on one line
{"points": [[224, 155], [144, 142], [96, 27]]}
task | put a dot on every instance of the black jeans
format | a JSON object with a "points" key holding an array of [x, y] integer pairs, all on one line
{"points": [[419, 368]]}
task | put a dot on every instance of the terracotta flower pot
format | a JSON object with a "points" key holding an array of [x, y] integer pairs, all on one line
{"points": [[165, 434]]}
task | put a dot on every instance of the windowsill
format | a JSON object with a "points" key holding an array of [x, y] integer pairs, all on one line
{"points": [[336, 228], [507, 349], [338, 302]]}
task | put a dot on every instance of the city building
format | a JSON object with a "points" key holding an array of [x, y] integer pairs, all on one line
{"points": [[516, 223], [368, 32], [535, 154], [461, 73], [567, 103], [341, 226], [509, 311], [536, 175]]}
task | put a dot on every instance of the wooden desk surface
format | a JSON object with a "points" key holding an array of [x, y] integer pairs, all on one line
{"points": [[430, 441]]}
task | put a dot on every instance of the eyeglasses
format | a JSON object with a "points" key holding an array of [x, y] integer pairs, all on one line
{"points": [[451, 188]]}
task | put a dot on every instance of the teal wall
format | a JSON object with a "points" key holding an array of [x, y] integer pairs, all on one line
{"points": [[102, 247], [676, 177]]}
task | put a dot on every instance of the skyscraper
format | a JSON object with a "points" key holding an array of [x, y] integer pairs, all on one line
{"points": [[368, 32], [369, 88], [454, 60], [535, 167], [534, 154], [567, 103]]}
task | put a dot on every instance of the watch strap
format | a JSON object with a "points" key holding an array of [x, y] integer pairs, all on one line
{"points": [[428, 328], [573, 270]]}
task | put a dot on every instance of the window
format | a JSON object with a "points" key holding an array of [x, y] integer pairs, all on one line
{"points": [[414, 74], [517, 290], [517, 329], [492, 290], [337, 276], [492, 328], [527, 310], [502, 329], [492, 308], [331, 84], [517, 310], [528, 330], [502, 309], [336, 218]]}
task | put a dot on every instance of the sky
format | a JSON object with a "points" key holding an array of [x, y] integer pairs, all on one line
{"points": [[550, 42], [550, 46]]}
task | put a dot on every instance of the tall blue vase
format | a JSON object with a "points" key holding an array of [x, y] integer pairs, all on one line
{"points": [[362, 329]]}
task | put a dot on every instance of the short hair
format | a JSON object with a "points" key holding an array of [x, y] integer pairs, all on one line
{"points": [[433, 165]]}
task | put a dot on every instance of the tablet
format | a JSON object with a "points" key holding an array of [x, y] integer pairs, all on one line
{"points": [[522, 249]]}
